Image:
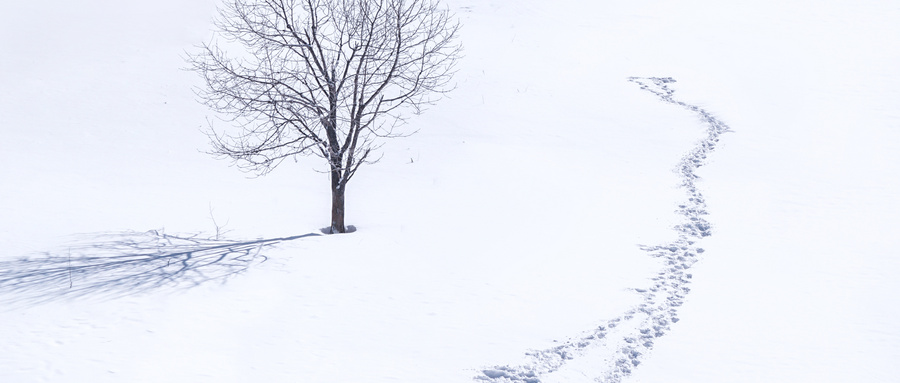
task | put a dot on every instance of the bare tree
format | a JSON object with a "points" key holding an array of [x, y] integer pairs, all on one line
{"points": [[329, 78]]}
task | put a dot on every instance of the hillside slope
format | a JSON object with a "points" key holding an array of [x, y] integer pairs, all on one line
{"points": [[511, 222]]}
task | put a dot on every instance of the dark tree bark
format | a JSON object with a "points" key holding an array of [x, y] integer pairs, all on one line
{"points": [[337, 203], [337, 212], [329, 78]]}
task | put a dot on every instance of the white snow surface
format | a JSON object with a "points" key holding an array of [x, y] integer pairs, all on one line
{"points": [[512, 222]]}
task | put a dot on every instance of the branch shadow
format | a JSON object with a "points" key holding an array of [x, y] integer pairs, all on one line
{"points": [[117, 264]]}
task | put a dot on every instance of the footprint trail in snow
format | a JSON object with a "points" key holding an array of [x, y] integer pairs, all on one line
{"points": [[628, 338]]}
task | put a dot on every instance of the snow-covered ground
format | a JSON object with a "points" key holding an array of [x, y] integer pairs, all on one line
{"points": [[521, 218]]}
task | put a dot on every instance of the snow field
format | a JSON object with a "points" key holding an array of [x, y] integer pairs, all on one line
{"points": [[510, 223]]}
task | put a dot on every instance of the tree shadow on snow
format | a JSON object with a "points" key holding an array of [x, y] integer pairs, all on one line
{"points": [[111, 265]]}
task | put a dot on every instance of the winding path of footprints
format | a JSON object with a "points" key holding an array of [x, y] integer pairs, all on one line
{"points": [[632, 334]]}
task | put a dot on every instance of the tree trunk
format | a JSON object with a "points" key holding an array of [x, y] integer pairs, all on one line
{"points": [[337, 204]]}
